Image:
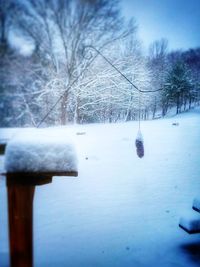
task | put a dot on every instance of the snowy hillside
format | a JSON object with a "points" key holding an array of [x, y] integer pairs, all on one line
{"points": [[121, 211]]}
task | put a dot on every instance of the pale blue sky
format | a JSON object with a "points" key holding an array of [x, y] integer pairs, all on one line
{"points": [[176, 20]]}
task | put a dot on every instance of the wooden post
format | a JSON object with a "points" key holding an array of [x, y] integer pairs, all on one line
{"points": [[21, 188], [20, 208]]}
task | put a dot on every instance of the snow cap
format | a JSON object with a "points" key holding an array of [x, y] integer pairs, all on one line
{"points": [[40, 151], [139, 136]]}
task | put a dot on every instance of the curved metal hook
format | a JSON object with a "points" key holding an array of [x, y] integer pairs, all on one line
{"points": [[86, 52], [122, 74]]}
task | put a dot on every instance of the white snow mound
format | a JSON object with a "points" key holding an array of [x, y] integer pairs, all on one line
{"points": [[196, 204], [139, 136], [190, 222], [40, 151]]}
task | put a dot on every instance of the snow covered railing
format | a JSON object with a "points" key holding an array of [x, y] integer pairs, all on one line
{"points": [[190, 222], [39, 152]]}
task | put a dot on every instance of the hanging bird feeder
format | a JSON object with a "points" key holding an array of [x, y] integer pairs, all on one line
{"points": [[139, 143]]}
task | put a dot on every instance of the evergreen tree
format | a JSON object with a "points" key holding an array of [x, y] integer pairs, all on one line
{"points": [[177, 87]]}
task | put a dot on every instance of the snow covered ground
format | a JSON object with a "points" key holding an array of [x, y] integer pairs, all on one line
{"points": [[121, 211]]}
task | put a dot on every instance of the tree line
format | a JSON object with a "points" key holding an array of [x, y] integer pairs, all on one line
{"points": [[44, 59]]}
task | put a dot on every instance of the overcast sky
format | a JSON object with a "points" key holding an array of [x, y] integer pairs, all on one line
{"points": [[176, 20]]}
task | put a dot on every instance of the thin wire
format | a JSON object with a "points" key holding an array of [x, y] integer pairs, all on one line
{"points": [[139, 111], [47, 114], [65, 91], [109, 62]]}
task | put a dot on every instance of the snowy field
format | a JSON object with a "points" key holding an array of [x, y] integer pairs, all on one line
{"points": [[121, 211]]}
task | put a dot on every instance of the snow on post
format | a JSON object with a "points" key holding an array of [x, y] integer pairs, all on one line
{"points": [[39, 151], [190, 222], [196, 204]]}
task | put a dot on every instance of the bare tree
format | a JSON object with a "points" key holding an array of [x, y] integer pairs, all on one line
{"points": [[158, 66], [60, 30]]}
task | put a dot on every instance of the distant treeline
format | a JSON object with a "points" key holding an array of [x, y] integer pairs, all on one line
{"points": [[42, 53]]}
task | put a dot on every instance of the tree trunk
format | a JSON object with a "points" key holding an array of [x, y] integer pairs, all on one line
{"points": [[177, 103], [190, 102], [154, 108], [63, 109], [77, 111], [185, 103], [3, 29]]}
